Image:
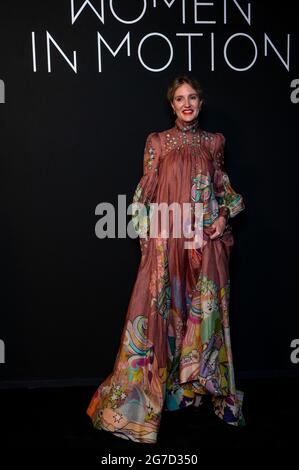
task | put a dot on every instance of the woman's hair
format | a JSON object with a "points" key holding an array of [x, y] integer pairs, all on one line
{"points": [[178, 81]]}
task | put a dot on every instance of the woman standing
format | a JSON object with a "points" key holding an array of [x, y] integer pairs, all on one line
{"points": [[175, 345]]}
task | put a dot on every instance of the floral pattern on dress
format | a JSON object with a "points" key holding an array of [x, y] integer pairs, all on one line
{"points": [[175, 346]]}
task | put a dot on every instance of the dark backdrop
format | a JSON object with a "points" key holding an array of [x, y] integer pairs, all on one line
{"points": [[70, 140]]}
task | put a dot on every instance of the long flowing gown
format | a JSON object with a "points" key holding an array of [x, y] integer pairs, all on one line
{"points": [[175, 346]]}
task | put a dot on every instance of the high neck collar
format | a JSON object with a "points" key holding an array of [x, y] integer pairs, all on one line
{"points": [[191, 126]]}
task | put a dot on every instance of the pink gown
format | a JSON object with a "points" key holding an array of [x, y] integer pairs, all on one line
{"points": [[175, 346]]}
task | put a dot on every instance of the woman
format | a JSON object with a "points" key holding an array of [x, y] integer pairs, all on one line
{"points": [[175, 345]]}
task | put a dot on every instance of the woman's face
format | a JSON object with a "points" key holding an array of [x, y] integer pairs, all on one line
{"points": [[186, 103]]}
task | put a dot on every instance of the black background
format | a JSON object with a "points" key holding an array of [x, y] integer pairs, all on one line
{"points": [[70, 141]]}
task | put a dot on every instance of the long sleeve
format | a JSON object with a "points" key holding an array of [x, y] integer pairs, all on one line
{"points": [[146, 189], [230, 202]]}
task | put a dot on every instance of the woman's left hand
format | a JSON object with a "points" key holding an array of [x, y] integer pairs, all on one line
{"points": [[218, 225]]}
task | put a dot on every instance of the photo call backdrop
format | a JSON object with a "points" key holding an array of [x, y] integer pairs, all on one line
{"points": [[82, 84]]}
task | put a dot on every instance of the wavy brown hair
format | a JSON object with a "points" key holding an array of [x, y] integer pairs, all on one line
{"points": [[180, 80]]}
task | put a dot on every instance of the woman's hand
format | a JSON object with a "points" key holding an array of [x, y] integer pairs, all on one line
{"points": [[218, 225]]}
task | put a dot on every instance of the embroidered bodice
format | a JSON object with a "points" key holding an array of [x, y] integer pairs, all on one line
{"points": [[185, 164]]}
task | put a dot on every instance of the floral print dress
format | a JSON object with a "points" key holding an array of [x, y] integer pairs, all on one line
{"points": [[175, 345]]}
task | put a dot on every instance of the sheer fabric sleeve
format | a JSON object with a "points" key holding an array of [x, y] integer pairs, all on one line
{"points": [[145, 191], [230, 202]]}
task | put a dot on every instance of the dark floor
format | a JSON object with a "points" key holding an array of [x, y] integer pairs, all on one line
{"points": [[56, 419]]}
